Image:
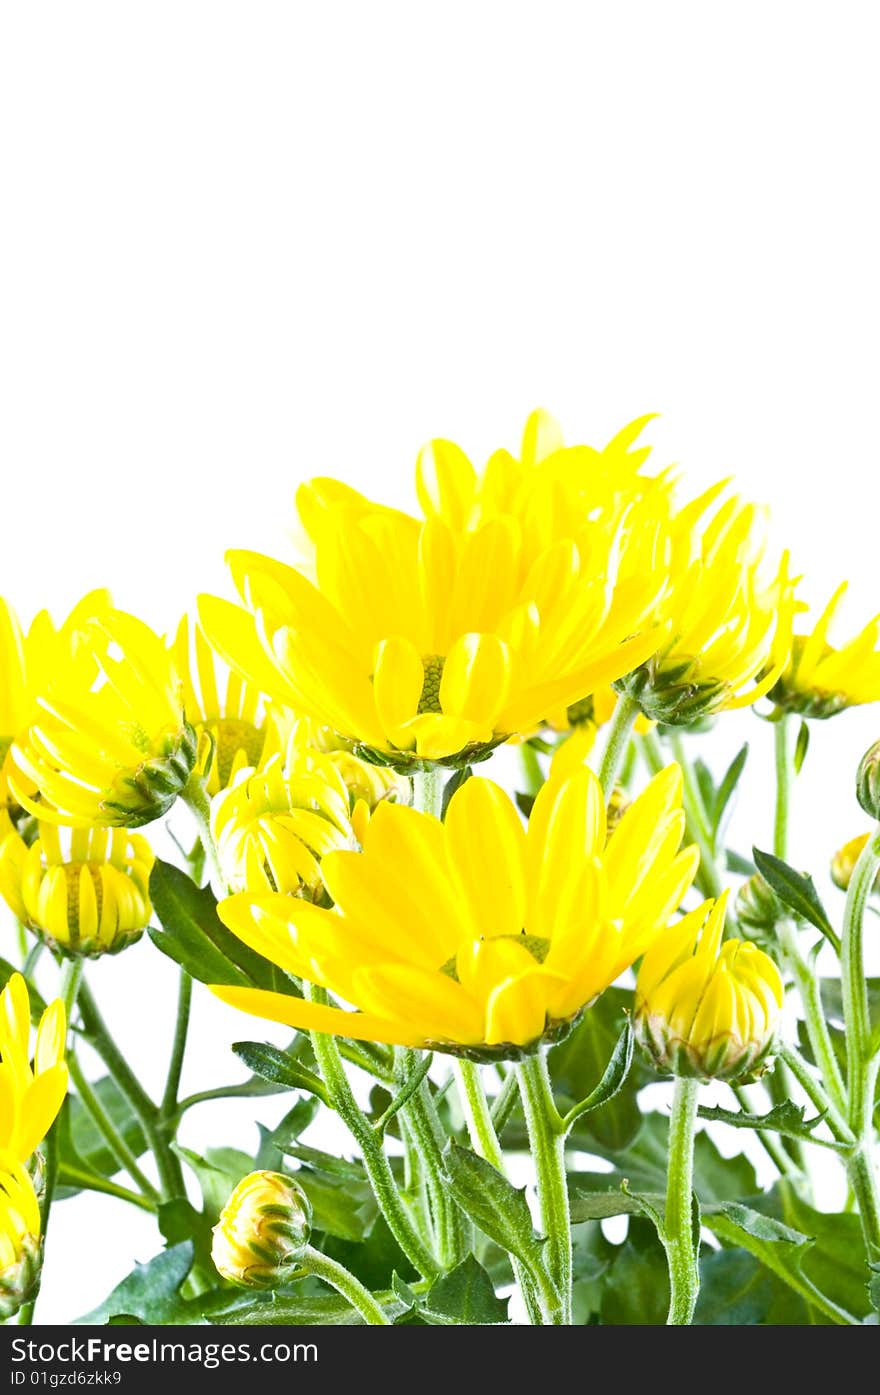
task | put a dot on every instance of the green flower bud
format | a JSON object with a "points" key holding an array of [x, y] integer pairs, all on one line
{"points": [[263, 1231]]}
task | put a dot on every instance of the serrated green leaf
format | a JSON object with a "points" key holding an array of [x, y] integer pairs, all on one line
{"points": [[736, 1290], [466, 1295], [493, 1203], [797, 891], [761, 1226], [194, 937], [151, 1292], [786, 1118], [635, 1289], [724, 794], [271, 1063]]}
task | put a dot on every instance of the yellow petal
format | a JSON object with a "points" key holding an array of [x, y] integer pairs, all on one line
{"points": [[315, 1017], [485, 847], [476, 678], [398, 680], [445, 482]]}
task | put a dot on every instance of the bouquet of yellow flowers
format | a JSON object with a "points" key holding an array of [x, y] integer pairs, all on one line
{"points": [[439, 814]]}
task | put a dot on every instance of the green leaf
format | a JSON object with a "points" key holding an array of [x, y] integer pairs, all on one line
{"points": [[493, 1203], [874, 1287], [286, 1308], [635, 1290], [725, 791], [525, 802], [797, 891], [832, 1002], [612, 1081], [466, 1295], [786, 1118], [279, 1067], [735, 862], [761, 1226], [454, 783], [405, 1093], [589, 1205], [583, 1058], [194, 936], [705, 782], [375, 1258], [217, 1174], [737, 1291], [802, 745], [151, 1292], [81, 1143]]}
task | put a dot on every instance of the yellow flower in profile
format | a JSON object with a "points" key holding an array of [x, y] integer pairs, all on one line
{"points": [[273, 827], [475, 936], [30, 1097], [421, 644], [30, 662], [20, 1243], [705, 1008], [263, 1231], [83, 891], [729, 623], [116, 754], [238, 719], [820, 681]]}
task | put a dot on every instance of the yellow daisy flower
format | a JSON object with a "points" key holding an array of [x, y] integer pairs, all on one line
{"points": [[20, 1244], [423, 645], [30, 1097], [705, 1008], [728, 624], [242, 727], [118, 754], [84, 891], [367, 784], [494, 937], [820, 681], [263, 1231]]}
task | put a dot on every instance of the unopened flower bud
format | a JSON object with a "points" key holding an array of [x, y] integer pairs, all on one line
{"points": [[758, 909], [706, 1009], [263, 1231], [868, 781]]}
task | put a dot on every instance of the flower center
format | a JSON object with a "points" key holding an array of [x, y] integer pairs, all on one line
{"points": [[430, 699]]}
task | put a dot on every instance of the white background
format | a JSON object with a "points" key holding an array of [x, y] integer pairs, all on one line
{"points": [[245, 244]]}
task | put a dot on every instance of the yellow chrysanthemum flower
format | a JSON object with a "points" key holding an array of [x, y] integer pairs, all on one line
{"points": [[242, 727], [273, 827], [115, 755], [30, 1097], [820, 681], [84, 891], [263, 1231], [729, 626], [493, 938], [20, 1243], [30, 663], [422, 644], [705, 1008]]}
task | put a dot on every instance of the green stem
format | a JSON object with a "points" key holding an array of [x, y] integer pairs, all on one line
{"points": [[484, 1141], [784, 772], [547, 1140], [195, 796], [168, 1106], [340, 1278], [428, 791], [678, 1241], [427, 1136], [106, 1127], [618, 738], [861, 1072], [815, 1092], [376, 1164], [170, 1175], [72, 1176], [695, 816], [814, 1016]]}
